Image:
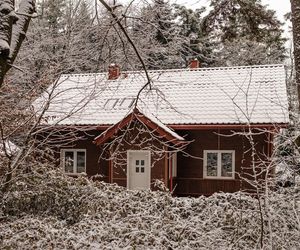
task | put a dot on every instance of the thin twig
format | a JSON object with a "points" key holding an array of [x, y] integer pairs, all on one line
{"points": [[115, 17]]}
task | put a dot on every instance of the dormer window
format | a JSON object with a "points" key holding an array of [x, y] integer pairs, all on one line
{"points": [[110, 103], [116, 103], [127, 103]]}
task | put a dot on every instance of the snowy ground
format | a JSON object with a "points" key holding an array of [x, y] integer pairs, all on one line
{"points": [[52, 212]]}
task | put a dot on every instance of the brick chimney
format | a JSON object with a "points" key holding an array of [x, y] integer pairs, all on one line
{"points": [[194, 64], [113, 71]]}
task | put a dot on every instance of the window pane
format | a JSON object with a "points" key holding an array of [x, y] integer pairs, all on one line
{"points": [[212, 164], [142, 162], [110, 104], [127, 103], [137, 169], [69, 162], [137, 162], [80, 162], [226, 165], [142, 169]]}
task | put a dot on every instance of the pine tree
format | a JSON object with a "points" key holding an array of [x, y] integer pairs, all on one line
{"points": [[157, 35], [53, 12], [196, 45], [245, 22]]}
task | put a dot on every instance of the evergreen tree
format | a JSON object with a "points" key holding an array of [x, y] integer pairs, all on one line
{"points": [[232, 22], [157, 35], [53, 13], [196, 45]]}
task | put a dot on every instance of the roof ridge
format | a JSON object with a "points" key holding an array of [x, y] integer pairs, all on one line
{"points": [[179, 70]]}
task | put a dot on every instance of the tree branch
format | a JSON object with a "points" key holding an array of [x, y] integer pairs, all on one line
{"points": [[117, 20], [13, 29]]}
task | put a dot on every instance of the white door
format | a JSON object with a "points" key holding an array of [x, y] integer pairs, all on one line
{"points": [[138, 169]]}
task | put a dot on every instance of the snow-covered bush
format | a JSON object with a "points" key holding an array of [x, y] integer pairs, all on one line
{"points": [[52, 211]]}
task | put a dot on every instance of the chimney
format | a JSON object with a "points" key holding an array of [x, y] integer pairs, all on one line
{"points": [[194, 64], [113, 71]]}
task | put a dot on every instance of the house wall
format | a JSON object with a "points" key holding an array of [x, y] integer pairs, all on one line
{"points": [[113, 168], [190, 180], [94, 164], [157, 168], [138, 139]]}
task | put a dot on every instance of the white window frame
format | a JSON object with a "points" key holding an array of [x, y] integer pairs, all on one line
{"points": [[219, 176], [62, 154]]}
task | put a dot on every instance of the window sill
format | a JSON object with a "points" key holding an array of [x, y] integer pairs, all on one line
{"points": [[219, 178], [76, 174]]}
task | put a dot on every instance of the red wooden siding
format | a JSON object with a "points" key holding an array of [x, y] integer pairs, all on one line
{"points": [[189, 180]]}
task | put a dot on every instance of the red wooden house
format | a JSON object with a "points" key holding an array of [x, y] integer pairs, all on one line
{"points": [[188, 128]]}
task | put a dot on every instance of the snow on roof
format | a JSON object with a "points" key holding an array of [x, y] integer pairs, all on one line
{"points": [[164, 127], [225, 95], [136, 114]]}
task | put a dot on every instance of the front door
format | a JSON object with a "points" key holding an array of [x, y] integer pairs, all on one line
{"points": [[138, 169]]}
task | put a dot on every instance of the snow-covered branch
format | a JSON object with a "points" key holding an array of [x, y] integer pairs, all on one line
{"points": [[13, 28]]}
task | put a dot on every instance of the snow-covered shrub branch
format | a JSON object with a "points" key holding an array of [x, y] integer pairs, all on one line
{"points": [[77, 213]]}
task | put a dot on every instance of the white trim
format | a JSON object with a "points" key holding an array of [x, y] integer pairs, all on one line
{"points": [[128, 162], [219, 152], [62, 160]]}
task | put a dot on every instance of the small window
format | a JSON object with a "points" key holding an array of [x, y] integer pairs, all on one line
{"points": [[127, 103], [110, 103], [73, 161], [219, 164]]}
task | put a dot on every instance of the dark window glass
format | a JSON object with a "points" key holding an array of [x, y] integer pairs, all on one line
{"points": [[137, 169], [212, 164], [142, 169], [226, 164], [80, 162]]}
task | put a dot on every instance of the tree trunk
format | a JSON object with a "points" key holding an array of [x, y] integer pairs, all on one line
{"points": [[295, 4], [7, 18], [13, 27]]}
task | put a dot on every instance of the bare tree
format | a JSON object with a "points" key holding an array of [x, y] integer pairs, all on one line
{"points": [[13, 28], [295, 4]]}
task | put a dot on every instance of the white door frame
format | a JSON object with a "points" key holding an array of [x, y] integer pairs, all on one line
{"points": [[128, 162]]}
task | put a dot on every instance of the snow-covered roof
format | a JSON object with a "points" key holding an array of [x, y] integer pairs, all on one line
{"points": [[149, 121], [224, 95]]}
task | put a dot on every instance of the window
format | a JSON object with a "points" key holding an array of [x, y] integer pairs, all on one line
{"points": [[126, 103], [73, 161], [219, 164], [110, 103], [116, 103], [140, 166]]}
